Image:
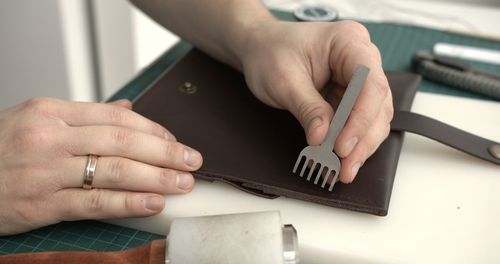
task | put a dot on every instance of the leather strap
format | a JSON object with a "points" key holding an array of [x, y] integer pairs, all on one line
{"points": [[446, 134], [150, 253]]}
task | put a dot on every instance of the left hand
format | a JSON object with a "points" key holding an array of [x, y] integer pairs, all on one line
{"points": [[286, 64]]}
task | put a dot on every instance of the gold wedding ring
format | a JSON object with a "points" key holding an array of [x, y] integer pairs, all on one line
{"points": [[89, 173]]}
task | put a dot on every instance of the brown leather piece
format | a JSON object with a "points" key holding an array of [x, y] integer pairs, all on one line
{"points": [[254, 146], [444, 133], [150, 253]]}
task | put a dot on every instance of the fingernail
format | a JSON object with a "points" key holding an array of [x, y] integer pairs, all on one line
{"points": [[192, 157], [349, 145], [185, 181], [169, 136], [315, 123], [355, 170], [154, 203]]}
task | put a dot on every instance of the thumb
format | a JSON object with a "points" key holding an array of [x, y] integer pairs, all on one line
{"points": [[312, 111]]}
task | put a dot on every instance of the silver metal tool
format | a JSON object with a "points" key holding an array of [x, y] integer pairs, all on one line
{"points": [[322, 155]]}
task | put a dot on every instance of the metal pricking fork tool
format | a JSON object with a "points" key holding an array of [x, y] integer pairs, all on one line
{"points": [[323, 154]]}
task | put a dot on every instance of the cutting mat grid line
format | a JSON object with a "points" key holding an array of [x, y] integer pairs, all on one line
{"points": [[397, 43], [79, 235]]}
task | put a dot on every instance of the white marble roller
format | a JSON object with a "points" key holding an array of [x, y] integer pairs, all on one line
{"points": [[235, 238]]}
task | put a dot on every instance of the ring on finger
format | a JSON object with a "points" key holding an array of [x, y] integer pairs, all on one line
{"points": [[88, 176]]}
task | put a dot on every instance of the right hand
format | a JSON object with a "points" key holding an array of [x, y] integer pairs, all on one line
{"points": [[44, 146], [287, 64]]}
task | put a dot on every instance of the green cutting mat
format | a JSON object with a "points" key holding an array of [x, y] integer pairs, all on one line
{"points": [[397, 43], [78, 235]]}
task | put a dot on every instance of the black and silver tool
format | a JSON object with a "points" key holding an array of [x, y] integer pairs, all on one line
{"points": [[456, 74]]}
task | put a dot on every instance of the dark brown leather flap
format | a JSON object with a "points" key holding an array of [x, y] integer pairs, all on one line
{"points": [[254, 146]]}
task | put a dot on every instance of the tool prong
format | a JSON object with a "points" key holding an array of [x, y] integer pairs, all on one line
{"points": [[311, 170], [327, 175], [318, 175], [304, 166], [333, 181], [297, 163]]}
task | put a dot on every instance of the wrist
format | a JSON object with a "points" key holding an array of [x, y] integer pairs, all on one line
{"points": [[245, 34]]}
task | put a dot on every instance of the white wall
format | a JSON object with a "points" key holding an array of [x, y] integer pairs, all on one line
{"points": [[44, 51], [112, 24], [31, 51], [47, 48], [78, 52], [127, 41], [150, 39]]}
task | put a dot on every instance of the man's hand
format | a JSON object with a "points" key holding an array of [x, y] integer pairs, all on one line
{"points": [[44, 145], [287, 64]]}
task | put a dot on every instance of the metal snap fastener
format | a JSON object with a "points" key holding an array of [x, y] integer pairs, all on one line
{"points": [[310, 12], [188, 88], [494, 151]]}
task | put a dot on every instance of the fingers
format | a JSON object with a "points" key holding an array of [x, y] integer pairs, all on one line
{"points": [[76, 203], [366, 146], [126, 174], [354, 49], [362, 118], [123, 103], [117, 113], [132, 144], [309, 107]]}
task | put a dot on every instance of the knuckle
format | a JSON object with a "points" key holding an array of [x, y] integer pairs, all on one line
{"points": [[361, 120], [115, 170], [123, 138], [366, 149], [63, 210], [95, 201], [356, 44], [173, 150], [129, 203], [32, 214], [373, 145], [355, 28], [165, 177], [309, 110], [381, 85], [39, 105], [375, 51], [389, 112], [387, 131], [280, 81], [23, 212], [157, 129], [32, 137], [119, 115]]}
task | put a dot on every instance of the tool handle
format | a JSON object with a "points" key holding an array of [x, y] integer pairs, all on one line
{"points": [[344, 109], [473, 82]]}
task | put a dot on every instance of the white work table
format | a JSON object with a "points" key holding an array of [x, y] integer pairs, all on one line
{"points": [[445, 205]]}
